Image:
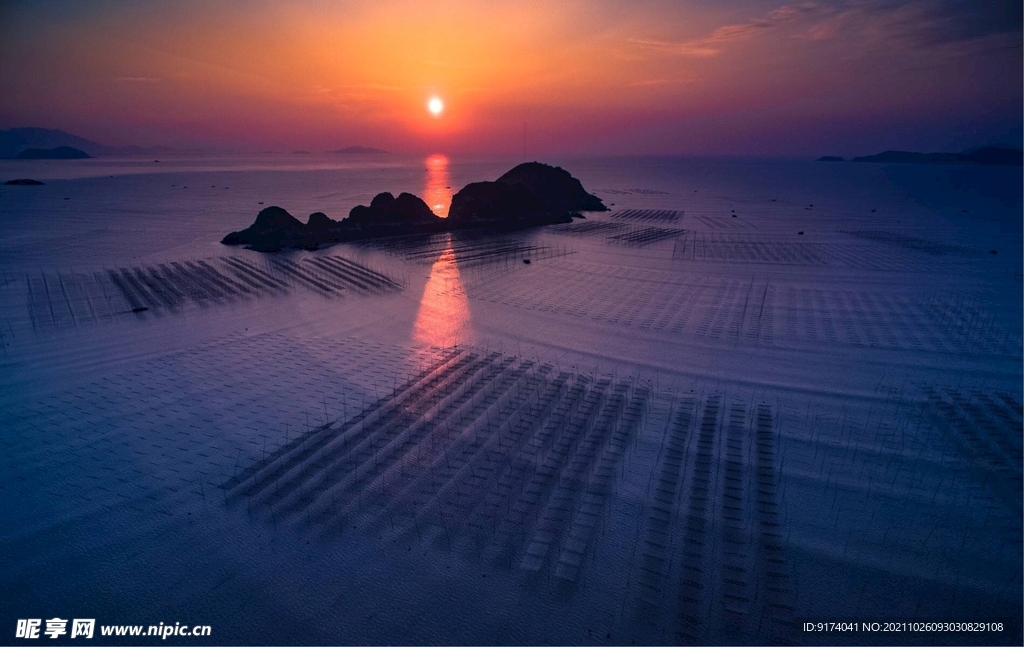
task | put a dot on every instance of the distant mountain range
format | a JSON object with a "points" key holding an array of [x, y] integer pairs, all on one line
{"points": [[988, 155], [58, 153], [16, 140], [351, 150]]}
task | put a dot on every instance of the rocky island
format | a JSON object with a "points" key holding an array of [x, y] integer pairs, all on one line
{"points": [[555, 187], [58, 153], [531, 194], [988, 155], [24, 181]]}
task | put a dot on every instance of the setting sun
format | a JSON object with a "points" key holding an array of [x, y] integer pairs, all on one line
{"points": [[435, 106]]}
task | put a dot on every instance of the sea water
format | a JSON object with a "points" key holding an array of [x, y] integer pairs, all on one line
{"points": [[753, 394]]}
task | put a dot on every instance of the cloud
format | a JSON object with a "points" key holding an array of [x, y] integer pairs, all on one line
{"points": [[659, 82], [721, 37], [925, 23], [889, 24], [135, 79]]}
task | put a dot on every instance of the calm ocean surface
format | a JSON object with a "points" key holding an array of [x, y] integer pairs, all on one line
{"points": [[755, 393], [106, 210]]}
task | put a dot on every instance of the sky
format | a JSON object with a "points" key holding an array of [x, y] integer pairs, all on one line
{"points": [[703, 77]]}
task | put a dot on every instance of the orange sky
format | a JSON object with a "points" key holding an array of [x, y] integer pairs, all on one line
{"points": [[600, 76]]}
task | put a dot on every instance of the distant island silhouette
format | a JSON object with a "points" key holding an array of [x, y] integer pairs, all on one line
{"points": [[358, 150], [529, 195], [15, 140], [58, 153], [988, 155], [23, 182]]}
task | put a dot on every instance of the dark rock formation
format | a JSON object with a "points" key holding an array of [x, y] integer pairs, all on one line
{"points": [[494, 202], [275, 219], [531, 193], [59, 153], [273, 230], [318, 221], [386, 209], [830, 158], [276, 229], [510, 203], [556, 187], [23, 182]]}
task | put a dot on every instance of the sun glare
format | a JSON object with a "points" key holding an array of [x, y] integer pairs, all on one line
{"points": [[435, 106]]}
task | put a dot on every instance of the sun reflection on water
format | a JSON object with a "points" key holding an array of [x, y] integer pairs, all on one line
{"points": [[443, 319], [438, 192]]}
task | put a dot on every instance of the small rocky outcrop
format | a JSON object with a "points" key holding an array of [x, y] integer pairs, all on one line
{"points": [[385, 209], [318, 221], [23, 182], [273, 230], [58, 153], [274, 219], [556, 187]]}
